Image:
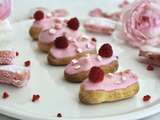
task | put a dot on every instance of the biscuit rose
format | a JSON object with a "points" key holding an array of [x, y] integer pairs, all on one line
{"points": [[141, 23]]}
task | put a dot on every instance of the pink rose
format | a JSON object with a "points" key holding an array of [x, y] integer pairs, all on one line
{"points": [[5, 9], [141, 23]]}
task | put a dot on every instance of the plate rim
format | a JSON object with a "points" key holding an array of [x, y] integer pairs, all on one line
{"points": [[139, 114]]}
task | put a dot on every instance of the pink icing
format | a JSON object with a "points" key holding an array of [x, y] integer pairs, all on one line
{"points": [[88, 62], [72, 49], [5, 9], [47, 37], [46, 23], [114, 81]]}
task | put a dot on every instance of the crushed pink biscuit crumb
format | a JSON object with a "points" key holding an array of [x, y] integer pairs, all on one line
{"points": [[146, 98], [27, 63], [150, 67], [5, 95], [35, 98]]}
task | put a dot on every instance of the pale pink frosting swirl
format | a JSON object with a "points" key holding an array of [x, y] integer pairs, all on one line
{"points": [[141, 23], [5, 9]]}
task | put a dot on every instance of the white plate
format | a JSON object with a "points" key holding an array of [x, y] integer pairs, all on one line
{"points": [[59, 96]]}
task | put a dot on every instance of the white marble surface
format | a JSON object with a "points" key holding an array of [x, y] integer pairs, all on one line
{"points": [[21, 13]]}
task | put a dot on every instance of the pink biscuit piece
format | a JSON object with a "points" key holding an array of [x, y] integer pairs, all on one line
{"points": [[116, 16], [51, 34], [113, 81], [97, 12], [86, 63], [150, 54], [15, 75], [60, 13], [7, 57], [81, 44], [99, 25]]}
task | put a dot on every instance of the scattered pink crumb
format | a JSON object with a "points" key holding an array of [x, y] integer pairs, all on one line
{"points": [[35, 98], [5, 95], [146, 98], [150, 67], [27, 63]]}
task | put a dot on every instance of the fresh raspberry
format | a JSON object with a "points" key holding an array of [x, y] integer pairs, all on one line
{"points": [[27, 63], [35, 98], [59, 115], [38, 15], [5, 95], [73, 23], [146, 98], [96, 74], [61, 42], [150, 67], [106, 50]]}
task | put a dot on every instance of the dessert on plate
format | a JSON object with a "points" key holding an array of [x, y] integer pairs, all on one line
{"points": [[100, 25], [70, 44], [47, 37], [10, 73], [41, 22], [99, 88], [14, 75], [150, 54], [65, 50], [78, 69]]}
